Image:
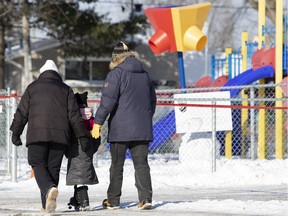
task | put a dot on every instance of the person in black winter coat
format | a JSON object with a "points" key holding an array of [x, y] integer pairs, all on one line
{"points": [[80, 168], [50, 108], [128, 96]]}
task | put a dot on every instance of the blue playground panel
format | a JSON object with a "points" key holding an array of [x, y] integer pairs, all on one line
{"points": [[163, 130], [248, 77]]}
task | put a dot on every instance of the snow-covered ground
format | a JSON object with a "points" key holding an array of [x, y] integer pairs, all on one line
{"points": [[246, 188]]}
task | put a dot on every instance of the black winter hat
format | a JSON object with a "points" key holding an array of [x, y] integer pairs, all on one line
{"points": [[120, 48], [82, 99]]}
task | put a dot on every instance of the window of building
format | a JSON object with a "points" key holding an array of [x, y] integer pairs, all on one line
{"points": [[86, 70], [99, 70]]}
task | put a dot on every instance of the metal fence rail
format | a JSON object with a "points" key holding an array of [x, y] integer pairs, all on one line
{"points": [[191, 151]]}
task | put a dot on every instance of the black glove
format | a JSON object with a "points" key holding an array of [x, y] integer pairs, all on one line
{"points": [[96, 143], [16, 140], [85, 143]]}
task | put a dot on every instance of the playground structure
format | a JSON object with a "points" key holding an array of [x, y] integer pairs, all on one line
{"points": [[262, 64], [253, 63]]}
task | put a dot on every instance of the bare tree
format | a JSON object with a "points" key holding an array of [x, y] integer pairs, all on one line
{"points": [[27, 76], [270, 8]]}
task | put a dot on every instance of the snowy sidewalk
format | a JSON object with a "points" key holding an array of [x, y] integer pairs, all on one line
{"points": [[239, 187], [198, 201]]}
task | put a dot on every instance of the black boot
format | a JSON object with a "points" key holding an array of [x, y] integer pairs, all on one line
{"points": [[73, 200], [82, 198]]}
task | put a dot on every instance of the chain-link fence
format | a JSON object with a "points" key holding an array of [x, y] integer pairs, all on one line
{"points": [[195, 130]]}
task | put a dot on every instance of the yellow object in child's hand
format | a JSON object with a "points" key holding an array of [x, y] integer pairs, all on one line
{"points": [[96, 130]]}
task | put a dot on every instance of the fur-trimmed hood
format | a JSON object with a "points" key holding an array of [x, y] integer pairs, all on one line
{"points": [[118, 59]]}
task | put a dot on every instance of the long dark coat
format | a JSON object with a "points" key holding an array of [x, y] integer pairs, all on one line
{"points": [[80, 168], [128, 95], [50, 108]]}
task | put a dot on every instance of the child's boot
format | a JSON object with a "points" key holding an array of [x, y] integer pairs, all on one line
{"points": [[73, 200], [82, 198]]}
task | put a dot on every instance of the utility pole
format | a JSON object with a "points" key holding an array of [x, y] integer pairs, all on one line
{"points": [[26, 76]]}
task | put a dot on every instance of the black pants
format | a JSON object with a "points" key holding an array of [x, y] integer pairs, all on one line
{"points": [[139, 153], [45, 159]]}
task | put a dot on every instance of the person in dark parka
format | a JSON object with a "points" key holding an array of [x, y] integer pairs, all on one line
{"points": [[80, 168], [128, 96], [50, 108]]}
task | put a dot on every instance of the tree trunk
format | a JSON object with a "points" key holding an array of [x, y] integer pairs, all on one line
{"points": [[2, 55], [27, 76]]}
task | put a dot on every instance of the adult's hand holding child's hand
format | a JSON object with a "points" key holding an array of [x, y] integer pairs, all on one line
{"points": [[96, 130]]}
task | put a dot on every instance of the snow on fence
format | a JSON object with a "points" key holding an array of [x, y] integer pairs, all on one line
{"points": [[201, 147]]}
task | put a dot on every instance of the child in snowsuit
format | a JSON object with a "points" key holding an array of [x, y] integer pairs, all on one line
{"points": [[80, 170]]}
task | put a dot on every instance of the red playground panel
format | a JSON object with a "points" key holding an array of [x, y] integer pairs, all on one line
{"points": [[263, 58], [203, 82], [220, 81]]}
